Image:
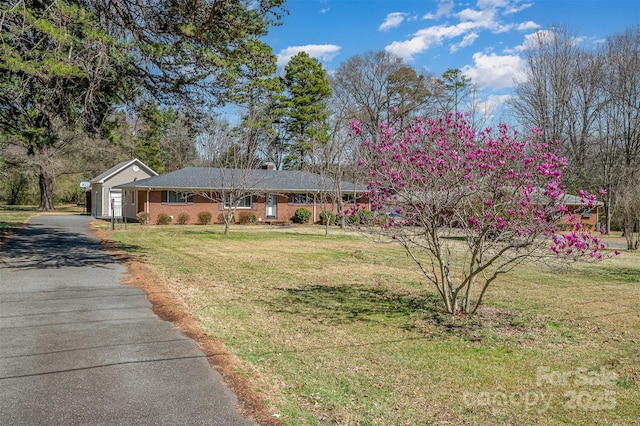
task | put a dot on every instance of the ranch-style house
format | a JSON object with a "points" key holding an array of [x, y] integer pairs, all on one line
{"points": [[271, 195]]}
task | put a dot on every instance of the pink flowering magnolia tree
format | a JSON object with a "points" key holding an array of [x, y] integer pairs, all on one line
{"points": [[469, 207]]}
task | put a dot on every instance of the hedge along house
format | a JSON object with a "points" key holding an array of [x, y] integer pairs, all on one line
{"points": [[271, 195], [106, 199]]}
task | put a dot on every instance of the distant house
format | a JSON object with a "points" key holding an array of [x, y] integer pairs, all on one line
{"points": [[272, 195], [105, 199], [579, 208]]}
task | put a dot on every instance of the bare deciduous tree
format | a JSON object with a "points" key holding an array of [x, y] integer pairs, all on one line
{"points": [[231, 169], [377, 87], [590, 100], [629, 205], [544, 99]]}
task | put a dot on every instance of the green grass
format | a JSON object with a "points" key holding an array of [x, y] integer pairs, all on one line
{"points": [[340, 330], [14, 217]]}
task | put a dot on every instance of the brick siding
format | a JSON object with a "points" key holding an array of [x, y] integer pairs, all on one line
{"points": [[284, 209]]}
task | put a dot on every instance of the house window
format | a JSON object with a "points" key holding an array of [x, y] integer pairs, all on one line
{"points": [[348, 199], [585, 212], [300, 198], [243, 203], [175, 197]]}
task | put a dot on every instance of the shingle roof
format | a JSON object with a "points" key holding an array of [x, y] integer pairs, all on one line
{"points": [[206, 179], [575, 200], [101, 178]]}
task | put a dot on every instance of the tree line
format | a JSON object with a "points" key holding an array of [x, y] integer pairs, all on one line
{"points": [[589, 99], [84, 85], [81, 82]]}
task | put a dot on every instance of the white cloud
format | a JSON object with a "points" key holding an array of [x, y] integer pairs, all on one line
{"points": [[392, 21], [534, 39], [495, 71], [494, 102], [424, 39], [445, 7], [467, 41], [487, 15], [517, 8], [436, 35], [527, 26], [484, 4], [323, 52], [492, 109], [510, 6]]}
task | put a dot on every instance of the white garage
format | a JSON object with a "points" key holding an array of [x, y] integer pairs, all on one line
{"points": [[106, 201]]}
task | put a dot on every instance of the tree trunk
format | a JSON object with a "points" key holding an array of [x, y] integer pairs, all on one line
{"points": [[607, 212], [629, 232], [228, 217], [46, 191]]}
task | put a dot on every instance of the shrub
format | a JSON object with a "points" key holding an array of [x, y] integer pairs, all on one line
{"points": [[221, 218], [163, 219], [301, 215], [246, 218], [204, 218], [183, 218], [142, 218], [327, 216], [361, 217]]}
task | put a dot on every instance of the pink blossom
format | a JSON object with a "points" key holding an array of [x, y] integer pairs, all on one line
{"points": [[492, 180]]}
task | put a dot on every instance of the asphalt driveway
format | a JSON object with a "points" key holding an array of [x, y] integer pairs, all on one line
{"points": [[78, 348]]}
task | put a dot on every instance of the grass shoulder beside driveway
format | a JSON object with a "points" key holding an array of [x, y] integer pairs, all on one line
{"points": [[339, 330], [13, 217]]}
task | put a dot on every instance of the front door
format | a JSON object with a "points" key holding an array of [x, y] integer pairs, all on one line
{"points": [[272, 206]]}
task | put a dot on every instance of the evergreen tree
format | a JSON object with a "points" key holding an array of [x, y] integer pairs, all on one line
{"points": [[65, 64], [307, 92], [59, 76]]}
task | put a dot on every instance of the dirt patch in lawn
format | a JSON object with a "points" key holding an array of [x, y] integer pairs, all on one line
{"points": [[168, 306]]}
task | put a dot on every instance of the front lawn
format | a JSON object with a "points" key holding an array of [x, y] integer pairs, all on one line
{"points": [[340, 330], [13, 217]]}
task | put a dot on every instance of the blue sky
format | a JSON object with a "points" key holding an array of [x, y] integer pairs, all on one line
{"points": [[484, 38]]}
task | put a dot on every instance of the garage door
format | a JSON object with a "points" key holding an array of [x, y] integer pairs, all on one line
{"points": [[115, 203]]}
